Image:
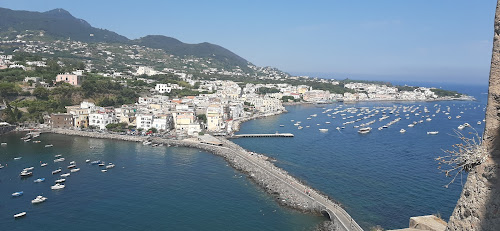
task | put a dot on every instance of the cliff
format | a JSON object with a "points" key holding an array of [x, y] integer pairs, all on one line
{"points": [[479, 205]]}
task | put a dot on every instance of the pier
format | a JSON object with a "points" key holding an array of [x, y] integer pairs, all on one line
{"points": [[263, 135]]}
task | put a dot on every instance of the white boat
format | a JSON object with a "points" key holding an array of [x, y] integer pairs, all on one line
{"points": [[104, 170], [43, 164], [39, 180], [75, 170], [71, 166], [17, 158], [28, 169], [3, 144], [411, 125], [364, 130], [38, 199], [65, 174], [57, 156], [466, 125], [56, 171], [327, 122], [478, 122], [72, 162], [458, 117], [49, 145], [26, 174], [22, 214], [323, 129], [57, 186], [428, 119], [146, 142], [59, 160], [461, 126], [402, 130], [101, 164], [432, 133], [87, 160], [281, 125], [60, 180], [449, 117]]}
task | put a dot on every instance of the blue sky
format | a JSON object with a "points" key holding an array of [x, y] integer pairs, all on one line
{"points": [[426, 40]]}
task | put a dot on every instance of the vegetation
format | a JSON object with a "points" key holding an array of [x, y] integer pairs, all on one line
{"points": [[444, 93], [202, 117], [117, 127]]}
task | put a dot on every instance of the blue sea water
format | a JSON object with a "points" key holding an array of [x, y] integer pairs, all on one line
{"points": [[383, 177], [151, 188]]}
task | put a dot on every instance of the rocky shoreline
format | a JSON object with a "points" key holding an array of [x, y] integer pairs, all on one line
{"points": [[285, 189]]}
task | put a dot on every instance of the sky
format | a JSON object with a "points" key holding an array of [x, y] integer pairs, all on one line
{"points": [[425, 40]]}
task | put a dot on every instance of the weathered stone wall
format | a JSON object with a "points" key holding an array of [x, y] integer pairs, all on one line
{"points": [[5, 129], [479, 205]]}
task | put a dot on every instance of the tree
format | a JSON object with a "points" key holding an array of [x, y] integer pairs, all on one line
{"points": [[202, 117], [41, 93], [153, 130]]}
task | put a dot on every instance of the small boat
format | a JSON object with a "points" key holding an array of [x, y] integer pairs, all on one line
{"points": [[60, 180], [49, 145], [38, 199], [95, 162], [56, 171], [71, 166], [28, 169], [110, 165], [432, 133], [86, 161], [146, 142], [364, 130], [101, 164], [3, 144], [282, 125], [323, 129], [22, 214], [57, 156], [36, 141], [39, 180], [17, 158], [26, 174], [428, 119], [59, 160], [402, 130], [65, 175], [17, 194], [75, 170], [449, 117], [43, 164], [27, 140], [466, 125], [327, 122], [57, 186], [72, 162], [104, 170], [461, 126]]}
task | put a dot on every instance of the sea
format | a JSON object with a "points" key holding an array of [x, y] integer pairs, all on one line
{"points": [[381, 178]]}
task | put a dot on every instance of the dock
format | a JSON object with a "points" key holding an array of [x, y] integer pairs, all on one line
{"points": [[263, 135]]}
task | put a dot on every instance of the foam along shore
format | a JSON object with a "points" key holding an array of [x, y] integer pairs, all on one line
{"points": [[287, 190]]}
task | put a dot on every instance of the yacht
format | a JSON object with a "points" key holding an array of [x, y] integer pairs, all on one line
{"points": [[39, 180], [364, 130], [38, 199], [466, 125], [43, 164], [22, 214], [323, 129], [49, 145], [59, 160], [28, 169], [72, 162], [281, 125], [432, 133], [104, 170], [56, 171], [428, 119], [411, 125], [95, 162], [101, 164], [57, 156], [3, 144], [402, 130], [449, 117], [57, 186], [17, 158], [86, 161], [60, 180], [71, 166], [75, 170], [461, 126]]}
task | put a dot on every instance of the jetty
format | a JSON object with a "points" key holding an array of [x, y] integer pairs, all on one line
{"points": [[263, 135], [286, 189]]}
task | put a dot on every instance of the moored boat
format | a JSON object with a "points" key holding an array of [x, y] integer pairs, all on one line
{"points": [[39, 180], [432, 133], [38, 199], [57, 186], [17, 194], [364, 130], [43, 164], [75, 170], [56, 171], [65, 174], [49, 145], [60, 180], [402, 130], [26, 174], [22, 214]]}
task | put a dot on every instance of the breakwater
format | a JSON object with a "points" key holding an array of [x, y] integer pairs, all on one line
{"points": [[287, 190], [6, 129]]}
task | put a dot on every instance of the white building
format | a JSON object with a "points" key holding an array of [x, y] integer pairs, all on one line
{"points": [[144, 121], [163, 88], [101, 119]]}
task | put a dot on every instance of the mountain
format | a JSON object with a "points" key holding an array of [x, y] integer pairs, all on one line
{"points": [[202, 50], [60, 24]]}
